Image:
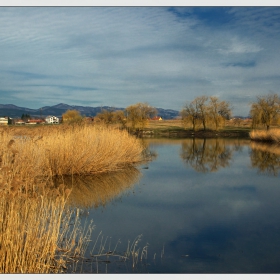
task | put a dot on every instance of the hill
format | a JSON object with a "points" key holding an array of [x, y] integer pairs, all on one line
{"points": [[14, 111]]}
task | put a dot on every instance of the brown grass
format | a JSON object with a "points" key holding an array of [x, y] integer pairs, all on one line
{"points": [[165, 124], [177, 124], [271, 135], [38, 232], [68, 150], [34, 226]]}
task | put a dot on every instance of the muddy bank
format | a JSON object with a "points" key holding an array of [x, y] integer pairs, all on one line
{"points": [[180, 133]]}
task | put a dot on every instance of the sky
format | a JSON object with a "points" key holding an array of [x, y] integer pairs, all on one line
{"points": [[118, 56]]}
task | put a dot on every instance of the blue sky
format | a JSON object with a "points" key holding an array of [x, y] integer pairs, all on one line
{"points": [[117, 56]]}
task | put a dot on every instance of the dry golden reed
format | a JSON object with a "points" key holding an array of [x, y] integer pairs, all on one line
{"points": [[271, 135], [35, 231], [33, 226], [68, 150]]}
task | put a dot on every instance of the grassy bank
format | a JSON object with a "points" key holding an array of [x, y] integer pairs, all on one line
{"points": [[175, 129]]}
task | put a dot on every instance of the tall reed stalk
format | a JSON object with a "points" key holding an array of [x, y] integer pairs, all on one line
{"points": [[34, 225]]}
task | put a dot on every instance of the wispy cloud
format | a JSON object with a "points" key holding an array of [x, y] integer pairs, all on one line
{"points": [[123, 55], [244, 64]]}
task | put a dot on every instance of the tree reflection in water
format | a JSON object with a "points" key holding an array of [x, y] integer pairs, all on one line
{"points": [[265, 157], [206, 155], [97, 190]]}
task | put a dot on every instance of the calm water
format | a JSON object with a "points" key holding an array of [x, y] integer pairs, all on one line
{"points": [[203, 206]]}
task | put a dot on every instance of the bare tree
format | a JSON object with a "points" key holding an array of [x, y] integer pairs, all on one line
{"points": [[218, 111], [119, 117], [265, 110], [190, 115], [139, 114], [202, 109]]}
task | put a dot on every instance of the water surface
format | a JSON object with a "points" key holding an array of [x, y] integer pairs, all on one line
{"points": [[203, 206]]}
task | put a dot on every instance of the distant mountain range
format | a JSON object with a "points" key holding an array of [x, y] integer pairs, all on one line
{"points": [[14, 111]]}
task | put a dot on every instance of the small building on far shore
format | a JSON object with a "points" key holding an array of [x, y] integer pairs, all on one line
{"points": [[19, 122], [52, 119], [4, 120], [157, 118], [35, 121]]}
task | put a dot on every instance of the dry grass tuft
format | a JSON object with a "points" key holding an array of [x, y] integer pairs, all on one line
{"points": [[68, 150], [272, 135]]}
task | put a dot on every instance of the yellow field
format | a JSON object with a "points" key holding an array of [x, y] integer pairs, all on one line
{"points": [[177, 124]]}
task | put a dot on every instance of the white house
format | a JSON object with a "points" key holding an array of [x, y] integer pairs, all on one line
{"points": [[4, 121], [52, 119]]}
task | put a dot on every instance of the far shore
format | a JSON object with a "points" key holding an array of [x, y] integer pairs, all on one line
{"points": [[181, 133], [175, 129]]}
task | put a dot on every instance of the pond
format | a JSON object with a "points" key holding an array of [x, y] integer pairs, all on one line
{"points": [[201, 206]]}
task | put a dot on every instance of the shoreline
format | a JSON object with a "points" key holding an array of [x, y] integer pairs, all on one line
{"points": [[181, 133]]}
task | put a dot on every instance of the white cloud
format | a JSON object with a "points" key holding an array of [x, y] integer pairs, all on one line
{"points": [[240, 47], [132, 53]]}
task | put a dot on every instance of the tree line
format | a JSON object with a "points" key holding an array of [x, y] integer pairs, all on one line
{"points": [[211, 112], [208, 112], [137, 115], [265, 111]]}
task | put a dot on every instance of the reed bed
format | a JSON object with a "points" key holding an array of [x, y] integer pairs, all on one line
{"points": [[271, 135], [39, 233], [68, 150], [35, 231]]}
